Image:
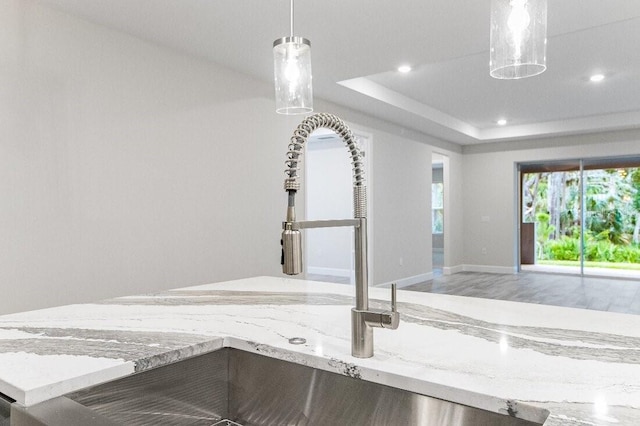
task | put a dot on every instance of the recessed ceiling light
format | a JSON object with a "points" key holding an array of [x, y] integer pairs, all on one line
{"points": [[501, 122], [596, 78], [404, 68]]}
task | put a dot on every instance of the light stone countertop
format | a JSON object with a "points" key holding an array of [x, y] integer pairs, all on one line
{"points": [[583, 366]]}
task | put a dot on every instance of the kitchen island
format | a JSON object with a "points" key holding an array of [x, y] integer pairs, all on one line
{"points": [[583, 366]]}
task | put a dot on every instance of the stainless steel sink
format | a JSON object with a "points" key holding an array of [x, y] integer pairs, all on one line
{"points": [[230, 387]]}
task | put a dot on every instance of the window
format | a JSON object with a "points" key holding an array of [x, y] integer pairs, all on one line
{"points": [[437, 208]]}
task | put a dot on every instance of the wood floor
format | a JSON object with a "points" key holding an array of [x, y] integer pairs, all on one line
{"points": [[603, 294]]}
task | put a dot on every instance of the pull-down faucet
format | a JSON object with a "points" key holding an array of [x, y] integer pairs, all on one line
{"points": [[363, 319]]}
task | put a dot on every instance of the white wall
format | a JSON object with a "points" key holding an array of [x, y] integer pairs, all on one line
{"points": [[126, 168], [402, 210], [490, 191]]}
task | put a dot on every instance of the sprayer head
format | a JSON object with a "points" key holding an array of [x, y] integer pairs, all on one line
{"points": [[291, 251]]}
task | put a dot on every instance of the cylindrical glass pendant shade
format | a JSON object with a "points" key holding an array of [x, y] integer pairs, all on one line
{"points": [[518, 38], [292, 72]]}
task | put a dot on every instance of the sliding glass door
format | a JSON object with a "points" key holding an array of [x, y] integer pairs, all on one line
{"points": [[612, 216], [551, 228], [581, 216]]}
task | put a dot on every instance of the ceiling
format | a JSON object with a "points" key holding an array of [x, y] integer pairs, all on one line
{"points": [[358, 44]]}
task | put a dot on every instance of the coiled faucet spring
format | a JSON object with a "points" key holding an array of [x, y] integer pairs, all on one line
{"points": [[300, 136]]}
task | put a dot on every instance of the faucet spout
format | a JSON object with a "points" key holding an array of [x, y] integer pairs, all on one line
{"points": [[362, 318]]}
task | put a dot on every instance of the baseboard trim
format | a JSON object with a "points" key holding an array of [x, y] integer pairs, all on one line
{"points": [[490, 269], [334, 272], [404, 282], [452, 270]]}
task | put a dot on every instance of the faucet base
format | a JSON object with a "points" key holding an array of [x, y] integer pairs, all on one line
{"points": [[361, 334]]}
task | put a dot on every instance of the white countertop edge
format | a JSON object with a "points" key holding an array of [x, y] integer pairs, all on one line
{"points": [[47, 392], [14, 392]]}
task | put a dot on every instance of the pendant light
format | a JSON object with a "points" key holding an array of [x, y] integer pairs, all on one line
{"points": [[292, 72], [518, 38]]}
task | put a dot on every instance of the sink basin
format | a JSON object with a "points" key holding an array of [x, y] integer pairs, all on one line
{"points": [[233, 387]]}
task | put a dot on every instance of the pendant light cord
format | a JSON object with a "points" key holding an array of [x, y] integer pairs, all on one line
{"points": [[291, 18]]}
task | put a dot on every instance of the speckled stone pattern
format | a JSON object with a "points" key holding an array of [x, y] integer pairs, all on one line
{"points": [[514, 358]]}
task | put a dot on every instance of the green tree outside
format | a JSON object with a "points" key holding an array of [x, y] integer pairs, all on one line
{"points": [[612, 215]]}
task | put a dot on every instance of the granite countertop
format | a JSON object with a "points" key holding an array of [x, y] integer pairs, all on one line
{"points": [[583, 366]]}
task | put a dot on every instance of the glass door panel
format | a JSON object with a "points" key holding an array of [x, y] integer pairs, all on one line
{"points": [[551, 216], [612, 219], [586, 216]]}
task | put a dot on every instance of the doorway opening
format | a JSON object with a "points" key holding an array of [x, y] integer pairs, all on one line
{"points": [[581, 217], [329, 252], [437, 213]]}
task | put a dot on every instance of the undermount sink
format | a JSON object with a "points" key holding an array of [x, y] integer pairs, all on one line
{"points": [[230, 387]]}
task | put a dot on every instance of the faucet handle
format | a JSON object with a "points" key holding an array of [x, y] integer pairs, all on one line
{"points": [[391, 319], [393, 298]]}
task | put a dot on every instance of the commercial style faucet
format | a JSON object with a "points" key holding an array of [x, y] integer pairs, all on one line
{"points": [[363, 319]]}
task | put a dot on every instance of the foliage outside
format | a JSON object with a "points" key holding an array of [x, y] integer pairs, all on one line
{"points": [[437, 208], [612, 215]]}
